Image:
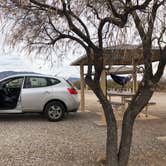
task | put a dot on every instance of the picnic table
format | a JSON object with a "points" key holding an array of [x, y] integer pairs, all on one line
{"points": [[123, 95], [126, 97]]}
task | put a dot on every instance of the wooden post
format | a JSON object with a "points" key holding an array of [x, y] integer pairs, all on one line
{"points": [[103, 82], [146, 111], [104, 88], [82, 101], [134, 77], [123, 104], [86, 87]]}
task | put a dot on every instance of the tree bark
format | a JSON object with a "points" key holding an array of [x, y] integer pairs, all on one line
{"points": [[113, 156], [138, 103], [126, 139], [111, 142]]}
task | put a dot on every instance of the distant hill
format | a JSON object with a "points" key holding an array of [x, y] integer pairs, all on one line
{"points": [[10, 73], [73, 79]]}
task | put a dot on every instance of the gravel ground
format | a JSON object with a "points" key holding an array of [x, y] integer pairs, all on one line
{"points": [[29, 140]]}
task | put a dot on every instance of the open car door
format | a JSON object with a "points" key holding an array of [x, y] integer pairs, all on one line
{"points": [[10, 90]]}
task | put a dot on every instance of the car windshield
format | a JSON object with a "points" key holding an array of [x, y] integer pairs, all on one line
{"points": [[15, 83], [12, 82]]}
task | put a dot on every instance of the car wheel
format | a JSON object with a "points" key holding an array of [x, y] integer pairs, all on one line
{"points": [[55, 111]]}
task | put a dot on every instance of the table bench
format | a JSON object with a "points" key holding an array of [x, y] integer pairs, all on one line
{"points": [[122, 95], [146, 107], [117, 104]]}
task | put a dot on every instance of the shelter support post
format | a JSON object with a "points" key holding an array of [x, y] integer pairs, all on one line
{"points": [[82, 101], [86, 87], [134, 77], [104, 89], [103, 82], [123, 104]]}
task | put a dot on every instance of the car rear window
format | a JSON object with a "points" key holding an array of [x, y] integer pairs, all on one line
{"points": [[52, 81]]}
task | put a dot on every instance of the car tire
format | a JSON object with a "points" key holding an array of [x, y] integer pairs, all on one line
{"points": [[55, 111]]}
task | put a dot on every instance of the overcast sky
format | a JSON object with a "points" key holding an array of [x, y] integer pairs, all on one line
{"points": [[17, 61], [10, 59], [23, 63]]}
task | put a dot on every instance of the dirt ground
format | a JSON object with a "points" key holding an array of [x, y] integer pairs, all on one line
{"points": [[30, 140], [149, 139], [159, 109]]}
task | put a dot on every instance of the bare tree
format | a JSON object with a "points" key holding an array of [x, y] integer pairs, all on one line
{"points": [[92, 24]]}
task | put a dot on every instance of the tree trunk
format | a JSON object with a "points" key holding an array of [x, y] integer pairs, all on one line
{"points": [[115, 156], [139, 102], [111, 143], [111, 146], [126, 139]]}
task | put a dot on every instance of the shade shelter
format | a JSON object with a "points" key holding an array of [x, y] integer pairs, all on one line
{"points": [[117, 55], [121, 55]]}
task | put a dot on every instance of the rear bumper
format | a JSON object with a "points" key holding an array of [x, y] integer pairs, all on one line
{"points": [[75, 107], [72, 103]]}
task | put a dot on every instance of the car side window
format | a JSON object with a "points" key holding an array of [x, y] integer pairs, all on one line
{"points": [[35, 82]]}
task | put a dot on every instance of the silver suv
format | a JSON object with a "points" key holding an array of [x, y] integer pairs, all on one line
{"points": [[53, 96]]}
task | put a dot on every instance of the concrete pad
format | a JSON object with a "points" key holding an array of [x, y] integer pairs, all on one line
{"points": [[143, 116], [83, 111], [100, 123], [162, 138]]}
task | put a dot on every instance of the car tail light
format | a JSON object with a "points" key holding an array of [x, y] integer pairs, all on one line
{"points": [[72, 91]]}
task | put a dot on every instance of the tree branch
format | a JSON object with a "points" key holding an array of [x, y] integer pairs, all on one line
{"points": [[94, 10], [68, 14], [138, 25], [152, 19], [75, 29], [57, 10], [161, 67], [116, 21], [65, 36], [162, 62], [81, 22]]}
